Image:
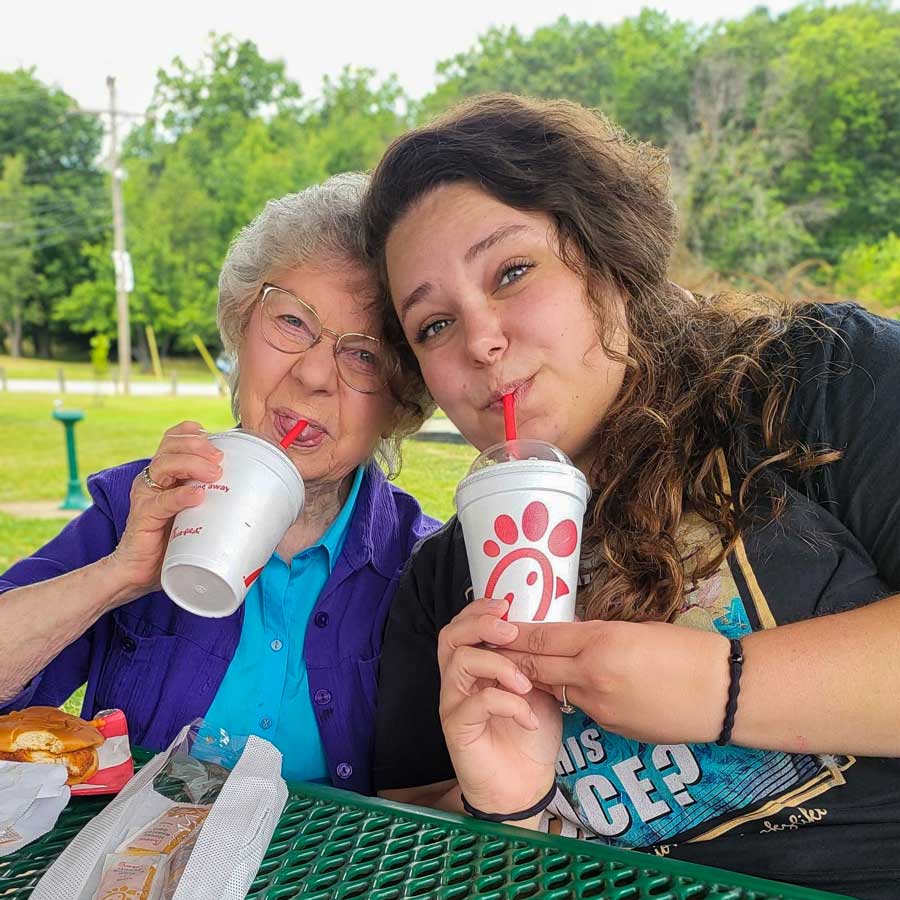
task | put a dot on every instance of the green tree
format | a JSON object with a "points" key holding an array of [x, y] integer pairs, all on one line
{"points": [[16, 253], [222, 138], [732, 216], [68, 203], [356, 118], [638, 72], [871, 273], [230, 83], [837, 109]]}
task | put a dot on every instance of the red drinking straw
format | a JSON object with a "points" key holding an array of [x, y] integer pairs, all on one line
{"points": [[291, 436], [509, 416]]}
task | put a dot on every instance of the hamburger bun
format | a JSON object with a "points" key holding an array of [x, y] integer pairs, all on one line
{"points": [[44, 734]]}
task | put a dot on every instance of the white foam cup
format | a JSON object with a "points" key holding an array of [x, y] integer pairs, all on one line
{"points": [[217, 549], [521, 508]]}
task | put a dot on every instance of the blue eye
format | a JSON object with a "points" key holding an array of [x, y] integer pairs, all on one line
{"points": [[290, 324], [360, 359], [431, 330], [514, 271]]}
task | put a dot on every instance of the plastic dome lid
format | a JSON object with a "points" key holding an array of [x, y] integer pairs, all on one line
{"points": [[519, 450]]}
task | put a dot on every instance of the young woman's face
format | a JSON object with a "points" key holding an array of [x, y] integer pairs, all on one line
{"points": [[489, 308]]}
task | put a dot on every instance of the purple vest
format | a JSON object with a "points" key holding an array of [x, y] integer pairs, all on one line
{"points": [[163, 666]]}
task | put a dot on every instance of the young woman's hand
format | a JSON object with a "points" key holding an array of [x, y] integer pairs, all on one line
{"points": [[184, 454], [650, 681], [503, 735]]}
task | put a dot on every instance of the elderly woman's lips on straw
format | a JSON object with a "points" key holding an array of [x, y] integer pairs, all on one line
{"points": [[292, 435]]}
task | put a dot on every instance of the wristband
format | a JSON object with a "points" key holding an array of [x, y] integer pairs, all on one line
{"points": [[538, 807], [735, 666]]}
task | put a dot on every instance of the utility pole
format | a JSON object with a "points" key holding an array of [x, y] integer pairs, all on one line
{"points": [[121, 260]]}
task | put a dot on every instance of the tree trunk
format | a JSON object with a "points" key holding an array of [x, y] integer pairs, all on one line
{"points": [[41, 335], [14, 333], [142, 350]]}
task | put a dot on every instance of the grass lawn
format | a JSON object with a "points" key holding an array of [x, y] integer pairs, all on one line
{"points": [[188, 368], [116, 429]]}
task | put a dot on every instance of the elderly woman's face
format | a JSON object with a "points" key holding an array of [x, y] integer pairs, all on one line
{"points": [[277, 389], [489, 308]]}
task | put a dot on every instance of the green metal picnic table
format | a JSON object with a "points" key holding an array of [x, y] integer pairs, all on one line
{"points": [[336, 845]]}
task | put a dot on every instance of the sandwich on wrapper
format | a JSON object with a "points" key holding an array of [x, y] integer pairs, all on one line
{"points": [[44, 734]]}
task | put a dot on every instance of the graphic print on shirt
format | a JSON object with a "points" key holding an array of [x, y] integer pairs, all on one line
{"points": [[632, 794]]}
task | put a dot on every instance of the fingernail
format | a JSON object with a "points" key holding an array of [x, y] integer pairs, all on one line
{"points": [[505, 629], [535, 724], [497, 603], [523, 682]]}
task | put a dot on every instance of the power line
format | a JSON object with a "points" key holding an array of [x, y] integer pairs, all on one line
{"points": [[77, 206], [75, 237], [35, 93], [56, 173], [31, 92], [52, 202], [39, 232]]}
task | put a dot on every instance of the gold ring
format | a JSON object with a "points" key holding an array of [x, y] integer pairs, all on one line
{"points": [[148, 480], [565, 706]]}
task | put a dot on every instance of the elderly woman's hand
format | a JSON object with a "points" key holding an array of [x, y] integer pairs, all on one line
{"points": [[649, 681], [184, 454], [502, 735]]}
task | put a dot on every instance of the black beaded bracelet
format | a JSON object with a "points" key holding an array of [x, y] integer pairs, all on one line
{"points": [[735, 665], [540, 806]]}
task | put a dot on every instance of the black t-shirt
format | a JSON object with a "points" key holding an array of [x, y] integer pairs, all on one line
{"points": [[823, 821]]}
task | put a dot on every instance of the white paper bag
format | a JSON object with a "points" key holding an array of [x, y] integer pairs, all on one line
{"points": [[32, 795], [236, 834], [229, 850]]}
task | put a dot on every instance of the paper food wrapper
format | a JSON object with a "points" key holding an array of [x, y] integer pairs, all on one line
{"points": [[32, 795], [116, 765]]}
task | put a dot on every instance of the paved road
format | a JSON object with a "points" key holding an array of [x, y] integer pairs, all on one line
{"points": [[441, 430], [138, 388]]}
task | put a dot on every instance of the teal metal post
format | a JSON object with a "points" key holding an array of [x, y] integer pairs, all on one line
{"points": [[75, 498]]}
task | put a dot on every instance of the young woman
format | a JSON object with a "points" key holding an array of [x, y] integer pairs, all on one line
{"points": [[731, 694]]}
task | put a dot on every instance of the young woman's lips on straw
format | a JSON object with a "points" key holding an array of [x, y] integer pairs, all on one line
{"points": [[311, 436], [519, 392]]}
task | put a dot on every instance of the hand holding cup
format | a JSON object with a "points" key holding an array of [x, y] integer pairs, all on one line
{"points": [[184, 455], [503, 736]]}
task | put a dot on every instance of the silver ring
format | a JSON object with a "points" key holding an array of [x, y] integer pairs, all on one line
{"points": [[564, 705], [148, 479]]}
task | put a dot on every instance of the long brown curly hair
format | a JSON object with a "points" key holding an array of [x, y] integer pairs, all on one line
{"points": [[705, 376]]}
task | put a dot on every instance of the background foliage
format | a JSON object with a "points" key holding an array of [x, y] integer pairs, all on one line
{"points": [[782, 132]]}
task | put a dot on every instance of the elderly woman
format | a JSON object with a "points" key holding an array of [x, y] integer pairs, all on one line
{"points": [[297, 663]]}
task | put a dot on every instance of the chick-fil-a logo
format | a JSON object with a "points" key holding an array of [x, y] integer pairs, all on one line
{"points": [[562, 542]]}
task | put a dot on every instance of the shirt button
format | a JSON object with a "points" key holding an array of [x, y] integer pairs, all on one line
{"points": [[276, 645], [344, 770], [129, 645], [322, 697], [321, 619], [265, 722]]}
